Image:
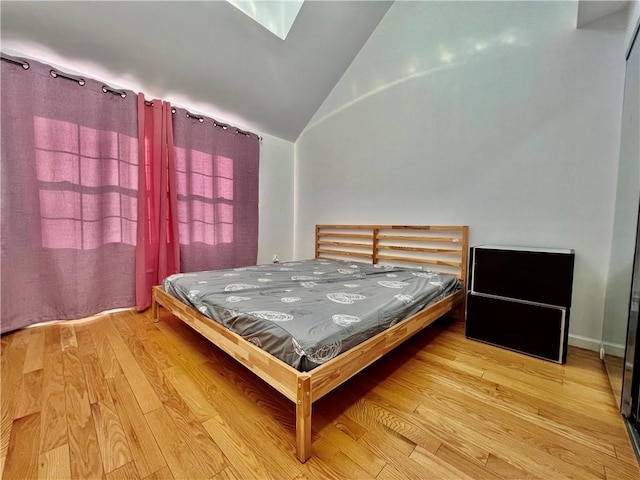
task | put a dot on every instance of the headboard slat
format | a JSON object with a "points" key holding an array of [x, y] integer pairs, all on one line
{"points": [[342, 252], [438, 247], [419, 260], [344, 235], [345, 244], [440, 251], [417, 238]]}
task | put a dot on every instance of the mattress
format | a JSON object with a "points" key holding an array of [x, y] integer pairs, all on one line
{"points": [[306, 313]]}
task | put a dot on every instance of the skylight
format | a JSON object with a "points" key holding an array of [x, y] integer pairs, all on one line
{"points": [[277, 16]]}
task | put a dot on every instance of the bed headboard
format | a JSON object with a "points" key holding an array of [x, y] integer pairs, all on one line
{"points": [[440, 248]]}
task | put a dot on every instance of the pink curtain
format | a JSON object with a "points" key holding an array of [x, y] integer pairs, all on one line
{"points": [[92, 191], [69, 204], [157, 250], [217, 193]]}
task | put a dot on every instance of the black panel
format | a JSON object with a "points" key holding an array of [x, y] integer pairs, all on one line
{"points": [[531, 329], [541, 277]]}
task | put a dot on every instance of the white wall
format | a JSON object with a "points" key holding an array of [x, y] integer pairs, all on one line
{"points": [[276, 200], [634, 18], [276, 155], [498, 115], [618, 291]]}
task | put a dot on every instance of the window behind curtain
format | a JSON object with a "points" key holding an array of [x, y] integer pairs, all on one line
{"points": [[69, 182], [217, 190]]}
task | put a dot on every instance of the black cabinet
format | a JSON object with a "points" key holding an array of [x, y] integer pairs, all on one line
{"points": [[520, 299]]}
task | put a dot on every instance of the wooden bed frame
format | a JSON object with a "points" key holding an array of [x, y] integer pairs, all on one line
{"points": [[441, 248]]}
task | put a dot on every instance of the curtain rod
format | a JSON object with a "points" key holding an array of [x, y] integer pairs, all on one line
{"points": [[200, 118], [122, 93], [108, 89], [216, 123], [55, 74], [22, 63]]}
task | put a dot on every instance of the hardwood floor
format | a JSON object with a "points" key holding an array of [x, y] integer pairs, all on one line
{"points": [[119, 397]]}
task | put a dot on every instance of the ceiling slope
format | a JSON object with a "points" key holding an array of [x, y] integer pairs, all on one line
{"points": [[590, 11], [208, 53]]}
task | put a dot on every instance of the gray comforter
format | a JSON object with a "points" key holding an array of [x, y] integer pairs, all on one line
{"points": [[307, 312]]}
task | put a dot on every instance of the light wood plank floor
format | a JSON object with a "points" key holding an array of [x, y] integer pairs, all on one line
{"points": [[119, 397]]}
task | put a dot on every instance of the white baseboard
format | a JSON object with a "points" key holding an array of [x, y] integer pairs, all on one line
{"points": [[615, 349], [585, 342]]}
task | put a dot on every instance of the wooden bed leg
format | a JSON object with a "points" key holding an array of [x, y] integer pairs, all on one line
{"points": [[461, 312], [154, 308], [303, 418]]}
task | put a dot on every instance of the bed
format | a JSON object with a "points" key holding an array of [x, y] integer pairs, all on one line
{"points": [[369, 288]]}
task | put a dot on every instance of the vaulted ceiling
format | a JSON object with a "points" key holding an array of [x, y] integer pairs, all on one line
{"points": [[207, 55], [590, 11], [201, 54]]}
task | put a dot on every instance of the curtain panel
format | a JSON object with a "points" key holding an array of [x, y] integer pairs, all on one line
{"points": [[69, 197], [217, 193], [157, 250], [103, 195]]}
